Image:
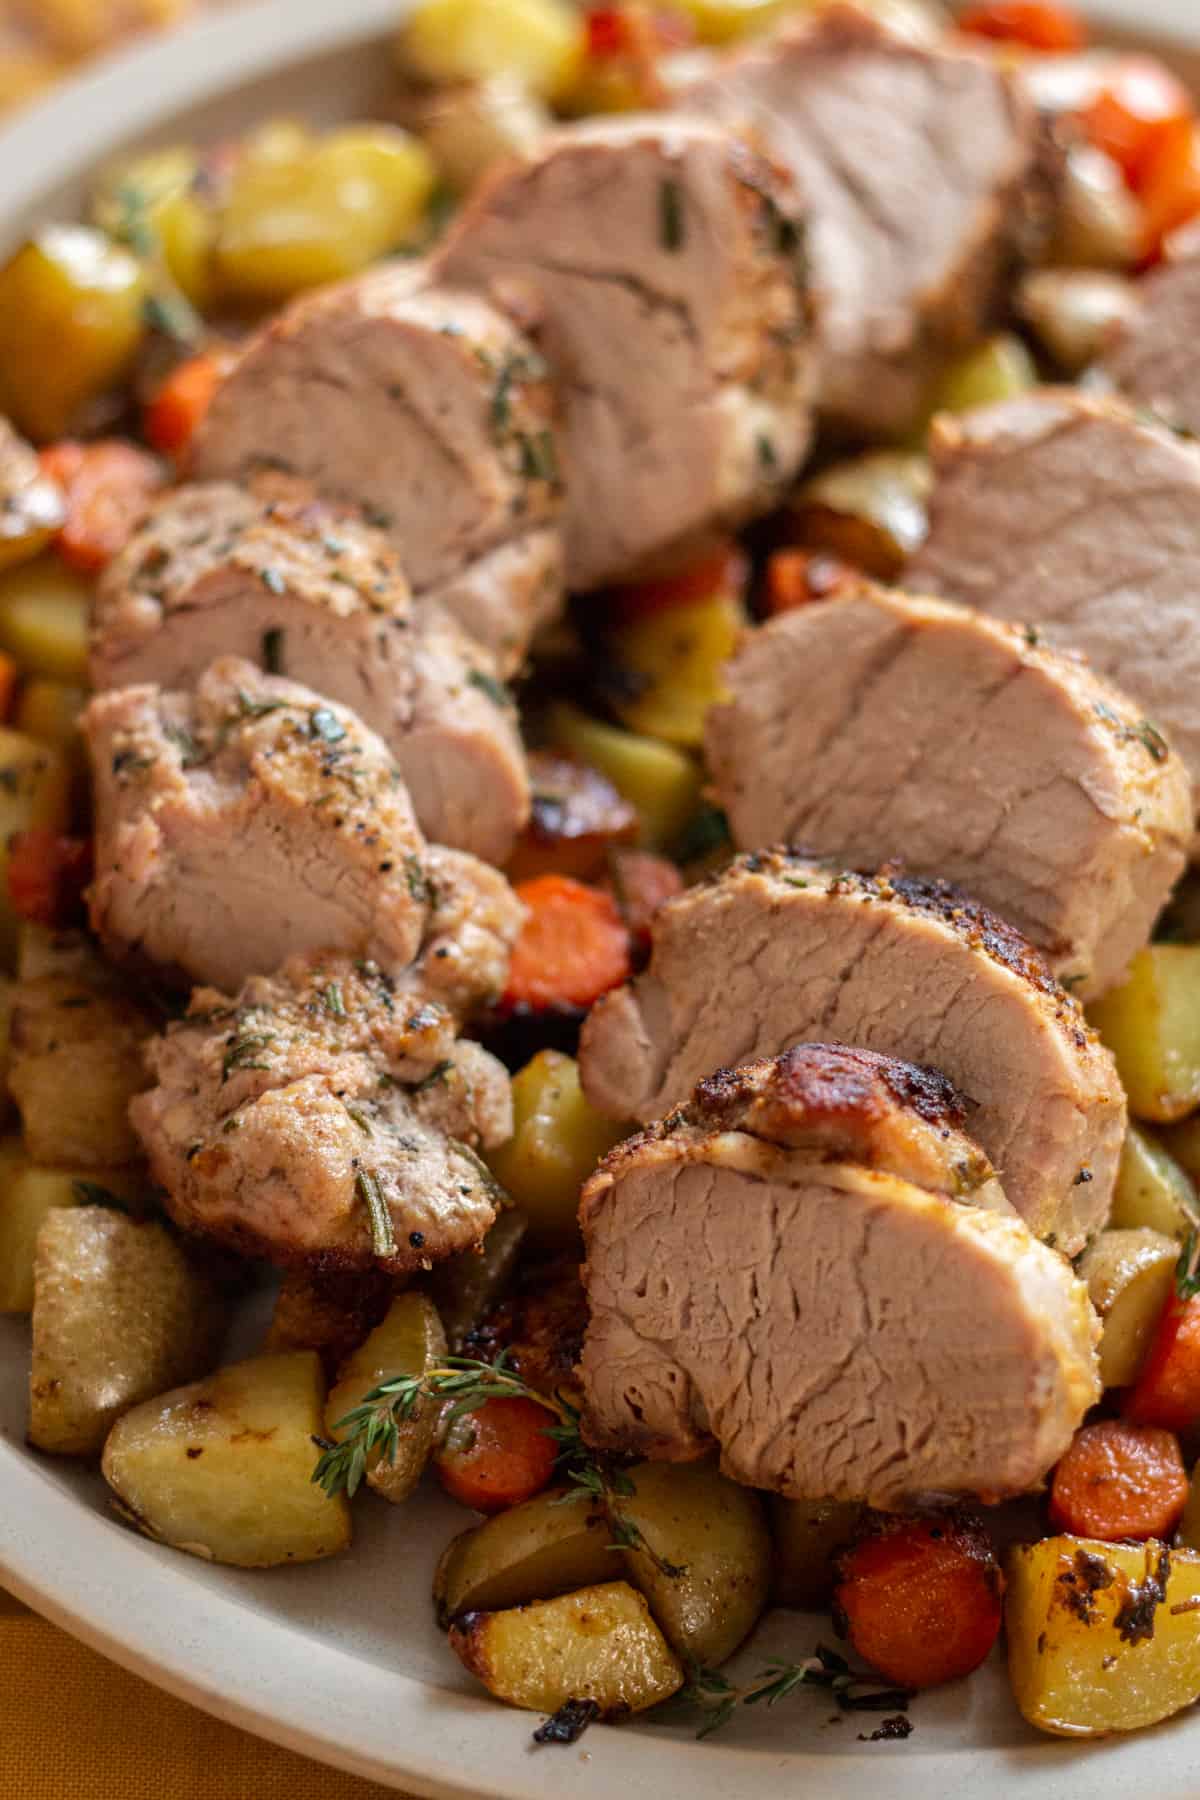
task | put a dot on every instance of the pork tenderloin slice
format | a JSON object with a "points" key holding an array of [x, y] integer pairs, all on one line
{"points": [[1077, 514], [913, 159], [839, 1324], [279, 577], [878, 721], [1155, 359], [656, 261], [276, 1112], [429, 411], [782, 949]]}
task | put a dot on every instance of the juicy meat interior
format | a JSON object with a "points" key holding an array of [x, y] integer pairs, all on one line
{"points": [[1155, 360]]}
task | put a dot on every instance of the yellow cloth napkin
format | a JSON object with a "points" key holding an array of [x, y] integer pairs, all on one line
{"points": [[75, 1727]]}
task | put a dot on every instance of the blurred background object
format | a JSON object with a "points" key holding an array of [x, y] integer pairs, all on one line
{"points": [[41, 39]]}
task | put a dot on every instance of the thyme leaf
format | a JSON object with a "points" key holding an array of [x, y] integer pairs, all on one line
{"points": [[715, 1697]]}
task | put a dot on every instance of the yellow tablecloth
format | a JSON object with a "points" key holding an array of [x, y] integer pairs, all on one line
{"points": [[75, 1727]]}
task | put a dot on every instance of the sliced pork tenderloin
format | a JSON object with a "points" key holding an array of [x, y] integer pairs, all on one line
{"points": [[877, 721], [781, 949], [1155, 359], [429, 411], [270, 573], [1074, 513], [657, 262], [775, 1271], [251, 819], [914, 160], [325, 1116]]}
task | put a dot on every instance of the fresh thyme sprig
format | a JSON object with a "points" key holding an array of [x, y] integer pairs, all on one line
{"points": [[716, 1697], [467, 1384]]}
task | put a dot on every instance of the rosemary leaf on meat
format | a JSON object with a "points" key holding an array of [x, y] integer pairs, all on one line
{"points": [[242, 1049], [383, 1237], [487, 684], [325, 725], [333, 1002], [272, 651], [670, 215], [435, 1077], [717, 1699], [272, 580]]}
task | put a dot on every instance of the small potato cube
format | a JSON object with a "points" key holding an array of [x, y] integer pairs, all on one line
{"points": [[558, 1138], [119, 1314], [1096, 1640], [28, 1194], [44, 608], [807, 1534], [659, 780], [715, 1535], [677, 656], [223, 1468], [466, 1287], [75, 1064], [538, 42], [1128, 1276], [597, 1644], [410, 1341], [1151, 1023], [1152, 1191], [870, 510], [547, 1546]]}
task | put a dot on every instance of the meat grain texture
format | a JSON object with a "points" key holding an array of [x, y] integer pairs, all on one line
{"points": [[1074, 513], [657, 263], [251, 819], [276, 1112], [878, 723], [271, 573], [781, 950], [812, 1266], [915, 160], [430, 412], [1155, 360]]}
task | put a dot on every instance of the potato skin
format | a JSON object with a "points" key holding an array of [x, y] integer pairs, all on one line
{"points": [[807, 1533], [1129, 1275], [119, 1314], [599, 1644], [547, 1546], [408, 1341], [466, 1287]]}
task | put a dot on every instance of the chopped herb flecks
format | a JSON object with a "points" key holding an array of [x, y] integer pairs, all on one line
{"points": [[487, 684], [326, 725], [332, 996]]}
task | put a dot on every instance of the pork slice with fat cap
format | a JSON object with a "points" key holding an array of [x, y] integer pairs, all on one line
{"points": [[430, 412], [781, 949], [656, 260], [876, 722], [797, 1267], [274, 574]]}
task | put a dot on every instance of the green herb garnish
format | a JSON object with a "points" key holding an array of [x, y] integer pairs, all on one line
{"points": [[487, 684], [715, 1696], [326, 725], [383, 1237]]}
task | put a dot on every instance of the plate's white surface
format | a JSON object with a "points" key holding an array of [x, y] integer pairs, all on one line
{"points": [[342, 1660]]}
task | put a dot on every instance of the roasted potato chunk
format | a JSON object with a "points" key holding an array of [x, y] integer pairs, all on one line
{"points": [[75, 1064], [598, 1644], [223, 1468], [676, 657], [44, 609], [869, 510], [558, 1138], [547, 1546], [1151, 1023], [466, 1287], [998, 369], [1152, 1191], [1128, 1275], [119, 1314], [410, 1341], [471, 125], [28, 1193], [807, 1535], [1096, 1640], [659, 780], [540, 42]]}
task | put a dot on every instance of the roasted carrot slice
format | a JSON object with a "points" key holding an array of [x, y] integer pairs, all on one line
{"points": [[1142, 114], [1037, 24], [573, 947], [1119, 1480], [498, 1456], [107, 486], [47, 875], [920, 1598], [798, 577], [722, 571], [181, 402], [1167, 1392]]}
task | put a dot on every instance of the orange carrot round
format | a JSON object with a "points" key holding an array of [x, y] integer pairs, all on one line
{"points": [[107, 486], [1142, 113], [800, 577], [1037, 24], [1167, 1392], [573, 947], [47, 875], [498, 1456], [1119, 1480], [179, 406], [724, 570], [921, 1598]]}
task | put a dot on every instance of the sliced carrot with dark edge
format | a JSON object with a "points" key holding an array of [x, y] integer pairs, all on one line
{"points": [[495, 1458], [1119, 1480], [574, 946], [179, 406], [47, 875]]}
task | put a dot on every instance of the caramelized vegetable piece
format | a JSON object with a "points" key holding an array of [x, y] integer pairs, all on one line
{"points": [[1151, 1023], [70, 325], [108, 486], [722, 572], [540, 42], [46, 876], [1037, 24], [49, 711], [1153, 1192], [1098, 223], [498, 1456], [558, 1138], [869, 510], [179, 406], [1101, 1637], [674, 656], [1170, 194], [724, 21], [35, 791], [577, 816], [998, 369], [808, 1534], [920, 1598], [44, 608], [1167, 1392], [1129, 1275], [1074, 313], [1140, 114], [410, 1341], [1119, 1480], [31, 505], [472, 125], [798, 577], [546, 1546], [69, 1037], [573, 946], [661, 782], [599, 1644], [466, 1287]]}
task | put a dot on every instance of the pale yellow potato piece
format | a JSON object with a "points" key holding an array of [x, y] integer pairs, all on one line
{"points": [[75, 1063], [807, 1534], [660, 781], [715, 1532], [28, 1193], [466, 1287], [1080, 1666], [409, 1341], [1152, 1190], [870, 509], [678, 655], [1128, 1276], [1000, 368], [598, 1644], [119, 1314], [49, 711], [44, 612], [558, 1138], [1151, 1023], [547, 1546], [469, 127], [223, 1468], [540, 43]]}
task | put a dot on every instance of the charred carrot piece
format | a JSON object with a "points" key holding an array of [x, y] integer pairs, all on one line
{"points": [[47, 875], [498, 1456], [1167, 1392], [177, 409], [799, 577], [1119, 1480], [573, 947], [107, 486]]}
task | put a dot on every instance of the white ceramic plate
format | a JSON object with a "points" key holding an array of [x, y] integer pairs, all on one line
{"points": [[342, 1660]]}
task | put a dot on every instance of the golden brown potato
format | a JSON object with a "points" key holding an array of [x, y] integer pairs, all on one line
{"points": [[1095, 1641], [223, 1468], [1152, 1192], [558, 1138], [1151, 1023], [807, 1533], [660, 780], [598, 1644], [548, 1546], [28, 1192], [1128, 1276], [75, 1064], [466, 1287], [869, 510], [409, 1341], [715, 1536], [119, 1314], [577, 817]]}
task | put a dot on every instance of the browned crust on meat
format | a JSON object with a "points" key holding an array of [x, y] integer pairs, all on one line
{"points": [[831, 1082]]}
